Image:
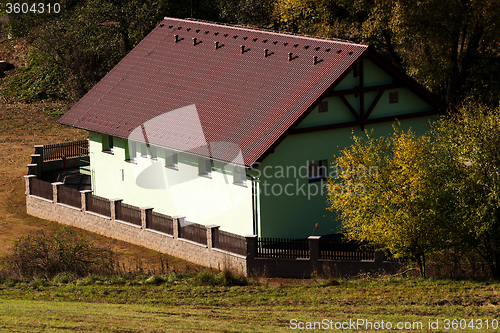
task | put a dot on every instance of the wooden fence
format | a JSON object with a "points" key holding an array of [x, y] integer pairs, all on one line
{"points": [[282, 248], [41, 188], [194, 232], [161, 223], [99, 205], [128, 213], [69, 196], [67, 149], [329, 249], [230, 242], [342, 250]]}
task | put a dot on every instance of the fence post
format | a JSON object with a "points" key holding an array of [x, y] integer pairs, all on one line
{"points": [[85, 197], [32, 170], [314, 249], [27, 179], [251, 246], [36, 159], [39, 151], [212, 235], [177, 221], [114, 207], [146, 216], [55, 192], [379, 256]]}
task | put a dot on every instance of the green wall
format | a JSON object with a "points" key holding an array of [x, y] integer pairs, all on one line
{"points": [[295, 215], [290, 205]]}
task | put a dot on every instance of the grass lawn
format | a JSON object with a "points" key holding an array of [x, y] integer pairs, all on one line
{"points": [[179, 304]]}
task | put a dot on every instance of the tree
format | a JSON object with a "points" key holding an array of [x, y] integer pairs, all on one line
{"points": [[387, 194], [75, 47], [431, 192], [450, 46], [472, 138]]}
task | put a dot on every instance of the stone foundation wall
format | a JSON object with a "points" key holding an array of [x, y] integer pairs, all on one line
{"points": [[196, 253]]}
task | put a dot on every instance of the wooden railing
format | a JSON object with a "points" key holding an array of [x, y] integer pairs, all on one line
{"points": [[329, 249], [41, 188], [282, 248], [99, 205], [161, 223], [67, 149], [230, 242], [194, 232], [128, 213], [69, 196], [342, 250]]}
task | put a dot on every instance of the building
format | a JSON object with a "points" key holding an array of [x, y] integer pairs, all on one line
{"points": [[237, 127]]}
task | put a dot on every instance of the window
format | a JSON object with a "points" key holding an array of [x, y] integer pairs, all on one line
{"points": [[204, 167], [317, 170], [154, 154], [144, 150], [107, 143], [323, 107], [393, 97], [131, 151], [239, 175], [171, 160]]}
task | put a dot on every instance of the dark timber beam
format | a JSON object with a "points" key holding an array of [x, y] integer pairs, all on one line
{"points": [[374, 103], [365, 89], [367, 122], [362, 96], [349, 106]]}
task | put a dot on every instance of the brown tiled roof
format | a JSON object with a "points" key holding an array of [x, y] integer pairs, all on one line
{"points": [[247, 88]]}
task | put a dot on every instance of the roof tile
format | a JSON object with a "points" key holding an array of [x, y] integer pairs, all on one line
{"points": [[241, 99]]}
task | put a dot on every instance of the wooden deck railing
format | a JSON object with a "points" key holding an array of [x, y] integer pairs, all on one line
{"points": [[67, 149]]}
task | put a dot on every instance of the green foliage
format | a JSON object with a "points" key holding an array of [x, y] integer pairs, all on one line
{"points": [[470, 141], [58, 253], [386, 193], [75, 48], [55, 112], [41, 79], [430, 193], [226, 278], [451, 47]]}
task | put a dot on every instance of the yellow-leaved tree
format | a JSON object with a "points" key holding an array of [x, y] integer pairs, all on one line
{"points": [[387, 193]]}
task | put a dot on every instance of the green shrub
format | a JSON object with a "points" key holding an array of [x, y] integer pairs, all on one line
{"points": [[49, 253], [225, 278]]}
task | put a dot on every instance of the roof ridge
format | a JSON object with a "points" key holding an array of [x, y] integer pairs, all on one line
{"points": [[270, 31]]}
